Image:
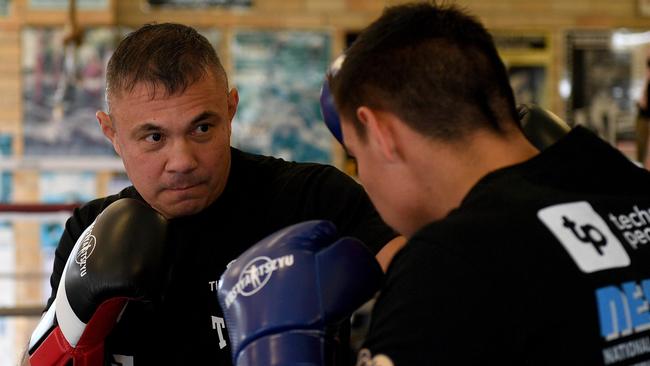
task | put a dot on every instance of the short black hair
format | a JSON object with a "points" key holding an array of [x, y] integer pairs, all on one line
{"points": [[434, 66], [172, 55]]}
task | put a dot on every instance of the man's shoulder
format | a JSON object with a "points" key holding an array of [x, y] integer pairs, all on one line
{"points": [[273, 168], [248, 159], [509, 223], [482, 237], [93, 208], [584, 161]]}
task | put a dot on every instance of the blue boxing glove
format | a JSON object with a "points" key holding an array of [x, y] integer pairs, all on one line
{"points": [[283, 294], [327, 105]]}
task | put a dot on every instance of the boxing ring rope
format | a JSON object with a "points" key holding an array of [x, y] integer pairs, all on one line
{"points": [[35, 212]]}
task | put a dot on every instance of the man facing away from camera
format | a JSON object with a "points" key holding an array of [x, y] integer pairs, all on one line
{"points": [[514, 256]]}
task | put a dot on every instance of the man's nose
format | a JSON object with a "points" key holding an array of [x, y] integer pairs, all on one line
{"points": [[181, 157]]}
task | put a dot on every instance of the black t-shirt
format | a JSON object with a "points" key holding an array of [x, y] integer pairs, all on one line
{"points": [[544, 263], [263, 195]]}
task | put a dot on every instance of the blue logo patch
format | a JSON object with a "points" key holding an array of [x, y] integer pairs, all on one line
{"points": [[623, 310]]}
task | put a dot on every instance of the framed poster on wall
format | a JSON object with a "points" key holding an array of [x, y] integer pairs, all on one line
{"points": [[68, 187], [279, 75], [61, 93], [601, 78], [528, 60], [528, 83]]}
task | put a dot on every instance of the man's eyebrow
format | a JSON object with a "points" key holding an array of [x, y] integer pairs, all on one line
{"points": [[205, 115], [147, 127]]}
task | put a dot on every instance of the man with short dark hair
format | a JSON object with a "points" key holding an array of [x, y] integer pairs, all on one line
{"points": [[169, 119], [515, 256]]}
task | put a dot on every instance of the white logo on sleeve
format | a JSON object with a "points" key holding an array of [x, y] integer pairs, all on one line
{"points": [[585, 235]]}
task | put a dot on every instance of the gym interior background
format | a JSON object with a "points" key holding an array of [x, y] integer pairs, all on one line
{"points": [[583, 59]]}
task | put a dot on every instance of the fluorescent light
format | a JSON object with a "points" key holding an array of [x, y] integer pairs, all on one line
{"points": [[626, 40]]}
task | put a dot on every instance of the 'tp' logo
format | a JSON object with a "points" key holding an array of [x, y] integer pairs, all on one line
{"points": [[585, 235]]}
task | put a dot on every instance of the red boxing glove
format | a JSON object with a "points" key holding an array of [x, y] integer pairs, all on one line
{"points": [[118, 257]]}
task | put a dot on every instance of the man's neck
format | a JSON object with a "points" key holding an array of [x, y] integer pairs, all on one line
{"points": [[448, 171]]}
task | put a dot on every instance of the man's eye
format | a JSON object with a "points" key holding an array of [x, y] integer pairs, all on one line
{"points": [[154, 137], [202, 128]]}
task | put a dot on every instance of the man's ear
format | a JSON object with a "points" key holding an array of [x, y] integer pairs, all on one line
{"points": [[108, 129], [233, 101], [380, 130]]}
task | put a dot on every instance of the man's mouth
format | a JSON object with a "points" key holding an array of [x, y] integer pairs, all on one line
{"points": [[182, 187]]}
